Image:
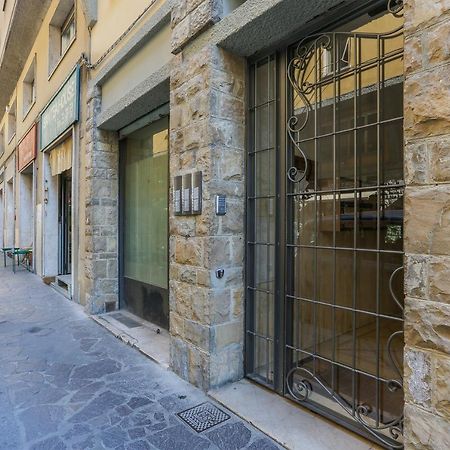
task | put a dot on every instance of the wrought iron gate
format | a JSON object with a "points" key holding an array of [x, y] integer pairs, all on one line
{"points": [[325, 230]]}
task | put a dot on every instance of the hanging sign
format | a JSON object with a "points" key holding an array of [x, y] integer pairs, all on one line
{"points": [[26, 150], [62, 111]]}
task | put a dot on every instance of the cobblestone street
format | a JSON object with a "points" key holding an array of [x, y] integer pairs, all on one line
{"points": [[66, 383]]}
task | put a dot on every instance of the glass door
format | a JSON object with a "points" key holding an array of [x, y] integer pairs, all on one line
{"points": [[325, 224], [65, 223], [144, 222]]}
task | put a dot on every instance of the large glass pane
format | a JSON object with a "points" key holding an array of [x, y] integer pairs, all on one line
{"points": [[145, 222], [261, 210]]}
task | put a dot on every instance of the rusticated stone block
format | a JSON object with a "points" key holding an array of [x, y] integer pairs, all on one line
{"points": [[419, 12], [418, 377], [226, 365], [438, 43], [238, 297], [228, 83], [232, 164], [198, 334], [227, 334], [233, 278], [179, 357], [427, 105], [439, 279], [189, 251], [198, 367], [413, 54], [190, 18], [439, 157], [416, 163], [427, 325], [441, 385], [225, 106], [416, 275], [219, 300], [200, 304], [427, 220], [218, 251], [176, 325], [424, 430], [179, 11]]}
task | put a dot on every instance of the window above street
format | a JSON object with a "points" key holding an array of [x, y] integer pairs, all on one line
{"points": [[62, 33], [12, 114], [68, 31], [29, 88]]}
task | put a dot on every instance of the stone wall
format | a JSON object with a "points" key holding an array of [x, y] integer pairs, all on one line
{"points": [[101, 209], [427, 224], [207, 133], [190, 18]]}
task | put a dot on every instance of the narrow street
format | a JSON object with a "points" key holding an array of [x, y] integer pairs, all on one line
{"points": [[66, 383]]}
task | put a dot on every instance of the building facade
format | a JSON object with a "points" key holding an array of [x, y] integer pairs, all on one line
{"points": [[266, 180]]}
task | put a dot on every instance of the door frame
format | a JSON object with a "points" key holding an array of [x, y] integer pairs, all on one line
{"points": [[282, 276], [65, 238]]}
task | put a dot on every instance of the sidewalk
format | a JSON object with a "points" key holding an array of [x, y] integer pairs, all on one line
{"points": [[67, 383]]}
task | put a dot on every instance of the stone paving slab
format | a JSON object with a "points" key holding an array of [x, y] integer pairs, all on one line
{"points": [[66, 383]]}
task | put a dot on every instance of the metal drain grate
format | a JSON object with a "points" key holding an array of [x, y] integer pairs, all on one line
{"points": [[203, 417], [127, 321]]}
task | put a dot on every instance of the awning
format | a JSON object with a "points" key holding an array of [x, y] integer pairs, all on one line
{"points": [[61, 157]]}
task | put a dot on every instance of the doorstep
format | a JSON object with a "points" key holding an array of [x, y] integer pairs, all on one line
{"points": [[289, 424], [149, 339], [63, 285]]}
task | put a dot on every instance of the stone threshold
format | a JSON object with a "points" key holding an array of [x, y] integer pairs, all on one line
{"points": [[151, 340], [287, 423]]}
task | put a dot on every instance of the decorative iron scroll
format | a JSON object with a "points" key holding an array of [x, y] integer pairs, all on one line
{"points": [[301, 390], [300, 70]]}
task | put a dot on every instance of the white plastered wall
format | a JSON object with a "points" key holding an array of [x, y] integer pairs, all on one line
{"points": [[25, 209], [2, 200], [9, 208], [150, 58], [49, 219]]}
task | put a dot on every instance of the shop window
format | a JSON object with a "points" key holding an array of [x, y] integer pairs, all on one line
{"points": [[62, 32], [29, 88], [68, 31], [12, 114]]}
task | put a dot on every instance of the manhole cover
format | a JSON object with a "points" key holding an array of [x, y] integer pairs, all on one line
{"points": [[127, 321], [203, 417]]}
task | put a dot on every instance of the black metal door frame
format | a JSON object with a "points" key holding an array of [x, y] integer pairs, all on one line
{"points": [[284, 270], [65, 223]]}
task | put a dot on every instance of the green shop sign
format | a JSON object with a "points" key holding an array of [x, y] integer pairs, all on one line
{"points": [[62, 111]]}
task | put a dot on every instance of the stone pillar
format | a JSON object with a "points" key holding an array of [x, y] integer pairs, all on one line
{"points": [[101, 227], [207, 133], [427, 224], [190, 18]]}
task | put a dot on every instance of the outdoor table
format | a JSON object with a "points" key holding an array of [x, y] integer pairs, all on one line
{"points": [[17, 252], [5, 251]]}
